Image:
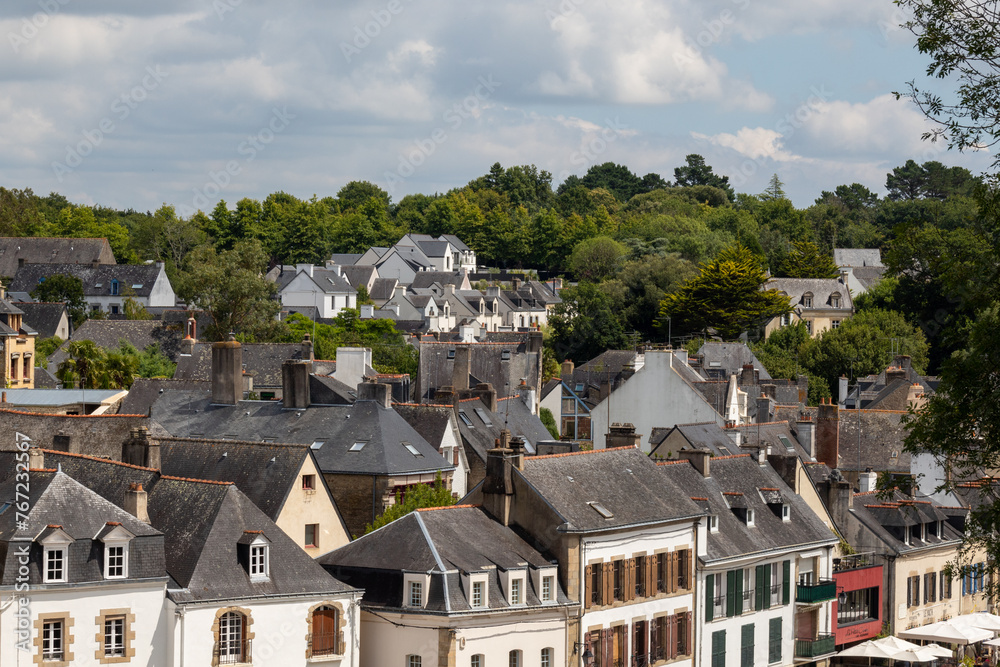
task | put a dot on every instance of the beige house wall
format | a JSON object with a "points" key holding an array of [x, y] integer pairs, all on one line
{"points": [[20, 346], [304, 507], [822, 320], [902, 617]]}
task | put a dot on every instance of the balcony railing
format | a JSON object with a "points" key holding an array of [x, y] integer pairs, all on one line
{"points": [[233, 652], [326, 644], [817, 591], [813, 648], [856, 562]]}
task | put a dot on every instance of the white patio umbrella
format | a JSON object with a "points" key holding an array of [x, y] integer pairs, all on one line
{"points": [[868, 649], [941, 651], [992, 642], [920, 654], [980, 619], [948, 632], [892, 643]]}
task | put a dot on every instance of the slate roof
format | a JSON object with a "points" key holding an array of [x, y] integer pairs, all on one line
{"points": [[383, 288], [702, 435], [108, 334], [43, 317], [345, 259], [54, 498], [426, 279], [430, 421], [857, 257], [134, 278], [183, 414], [36, 250], [743, 475], [444, 542], [511, 413], [868, 275], [777, 435], [263, 360], [885, 519], [44, 379], [615, 478], [201, 540], [821, 289], [729, 358], [145, 391], [359, 275]]}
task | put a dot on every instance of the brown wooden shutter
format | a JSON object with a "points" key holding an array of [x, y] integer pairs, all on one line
{"points": [[606, 648], [588, 586], [689, 629], [650, 576], [608, 581], [652, 640], [672, 572], [628, 569], [671, 637]]}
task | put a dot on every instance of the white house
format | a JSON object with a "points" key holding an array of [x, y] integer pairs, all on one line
{"points": [[466, 590], [314, 287], [765, 567], [105, 286]]}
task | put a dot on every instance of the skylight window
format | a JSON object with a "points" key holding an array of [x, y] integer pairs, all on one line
{"points": [[505, 354], [579, 387], [137, 286], [784, 440], [714, 364], [602, 510], [358, 446], [317, 444], [482, 415], [465, 418], [413, 450]]}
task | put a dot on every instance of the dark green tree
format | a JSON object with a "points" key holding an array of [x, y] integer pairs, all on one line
{"points": [[60, 288], [585, 324], [419, 496], [805, 260], [696, 172]]}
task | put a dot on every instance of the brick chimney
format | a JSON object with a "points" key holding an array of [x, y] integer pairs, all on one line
{"points": [[135, 502], [295, 383], [227, 372], [498, 486], [749, 375], [485, 392], [828, 434], [700, 458], [622, 435], [140, 449]]}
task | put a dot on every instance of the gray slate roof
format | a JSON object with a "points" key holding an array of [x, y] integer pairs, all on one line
{"points": [[821, 289], [134, 278], [857, 257], [702, 435], [445, 542], [511, 413], [263, 360], [43, 317], [145, 391], [743, 475], [383, 288], [183, 414], [36, 250], [108, 334], [623, 480], [725, 359]]}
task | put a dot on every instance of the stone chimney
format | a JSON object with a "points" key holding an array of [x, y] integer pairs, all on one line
{"points": [[867, 481], [842, 390], [787, 466], [894, 373], [498, 486], [605, 390], [36, 458], [622, 435], [135, 502], [915, 397], [518, 448], [516, 284], [903, 361], [749, 375], [839, 500], [805, 433], [765, 409], [140, 450], [227, 372], [701, 459], [828, 434], [527, 394], [462, 367], [295, 384], [566, 372], [375, 391], [485, 392], [307, 348]]}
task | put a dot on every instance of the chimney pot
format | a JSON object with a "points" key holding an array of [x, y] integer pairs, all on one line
{"points": [[135, 502]]}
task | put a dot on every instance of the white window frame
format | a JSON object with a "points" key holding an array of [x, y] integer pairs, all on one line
{"points": [[115, 648], [259, 561], [109, 556], [516, 590], [231, 635], [414, 661], [63, 565], [713, 523], [53, 640], [546, 657], [414, 591], [750, 516], [478, 594], [548, 588], [786, 512]]}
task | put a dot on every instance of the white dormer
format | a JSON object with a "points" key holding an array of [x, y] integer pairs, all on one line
{"points": [[55, 554], [807, 300], [514, 584], [835, 299], [255, 553], [477, 588], [415, 585], [116, 541], [544, 581]]}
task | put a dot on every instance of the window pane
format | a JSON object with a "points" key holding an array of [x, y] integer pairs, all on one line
{"points": [[114, 637]]}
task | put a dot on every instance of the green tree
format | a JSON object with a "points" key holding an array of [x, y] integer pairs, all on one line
{"points": [[419, 496], [728, 295], [44, 349], [585, 324], [775, 190], [230, 287], [696, 172], [642, 284], [355, 194], [597, 258], [549, 421], [60, 288], [806, 261], [135, 310]]}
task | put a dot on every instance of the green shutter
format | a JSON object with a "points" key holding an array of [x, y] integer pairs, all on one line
{"points": [[719, 649], [758, 598], [774, 641], [739, 591], [709, 596], [731, 593], [746, 646], [786, 575], [767, 586]]}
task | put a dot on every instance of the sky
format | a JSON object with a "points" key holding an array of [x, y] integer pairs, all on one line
{"points": [[134, 105]]}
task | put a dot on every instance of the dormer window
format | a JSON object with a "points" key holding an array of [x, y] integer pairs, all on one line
{"points": [[786, 512], [254, 550], [548, 588], [416, 594], [517, 591], [55, 565], [478, 593], [114, 287], [807, 300], [750, 517], [116, 550], [713, 523], [835, 300], [55, 554]]}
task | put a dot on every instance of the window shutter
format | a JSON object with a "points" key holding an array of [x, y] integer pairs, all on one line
{"points": [[606, 646], [689, 555], [718, 645], [731, 593], [766, 586], [671, 637], [759, 588], [926, 590], [739, 591], [786, 575], [588, 586], [653, 637], [916, 591], [608, 582], [671, 582], [688, 629], [650, 575], [628, 570], [709, 597], [909, 591]]}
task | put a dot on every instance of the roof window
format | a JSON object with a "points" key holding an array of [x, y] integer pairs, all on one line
{"points": [[317, 444], [483, 416], [465, 418], [602, 510], [413, 450], [358, 446]]}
